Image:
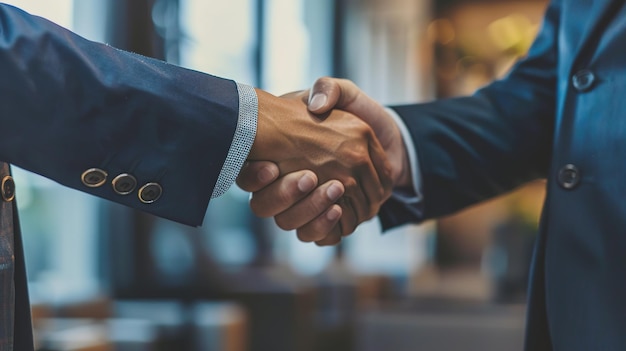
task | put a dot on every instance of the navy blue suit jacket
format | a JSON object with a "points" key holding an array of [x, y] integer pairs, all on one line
{"points": [[560, 114], [68, 105]]}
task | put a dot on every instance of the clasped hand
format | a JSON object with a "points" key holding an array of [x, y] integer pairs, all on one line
{"points": [[333, 148]]}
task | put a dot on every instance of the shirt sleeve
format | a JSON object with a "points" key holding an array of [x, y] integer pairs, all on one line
{"points": [[413, 195], [242, 140]]}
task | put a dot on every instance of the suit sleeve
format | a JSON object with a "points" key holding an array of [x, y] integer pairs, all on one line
{"points": [[68, 105], [473, 148]]}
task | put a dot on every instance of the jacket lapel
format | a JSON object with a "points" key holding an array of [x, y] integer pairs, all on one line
{"points": [[588, 18]]}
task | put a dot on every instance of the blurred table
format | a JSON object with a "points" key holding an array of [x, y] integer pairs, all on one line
{"points": [[442, 325]]}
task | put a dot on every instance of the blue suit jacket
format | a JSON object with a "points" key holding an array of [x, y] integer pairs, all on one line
{"points": [[68, 105], [560, 114]]}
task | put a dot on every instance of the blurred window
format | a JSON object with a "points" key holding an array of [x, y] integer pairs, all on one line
{"points": [[294, 43]]}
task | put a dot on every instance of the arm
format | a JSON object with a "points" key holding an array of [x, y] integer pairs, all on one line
{"points": [[312, 213], [68, 105], [470, 148], [340, 147], [473, 148]]}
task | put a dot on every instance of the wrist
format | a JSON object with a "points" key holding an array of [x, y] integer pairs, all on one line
{"points": [[267, 133], [403, 176], [399, 158]]}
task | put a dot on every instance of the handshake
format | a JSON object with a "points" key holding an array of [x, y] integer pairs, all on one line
{"points": [[323, 161]]}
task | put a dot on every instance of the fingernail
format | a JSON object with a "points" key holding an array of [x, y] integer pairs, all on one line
{"points": [[266, 175], [333, 214], [334, 192], [317, 101], [306, 183]]}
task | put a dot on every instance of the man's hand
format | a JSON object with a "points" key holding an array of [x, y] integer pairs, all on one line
{"points": [[341, 147], [334, 93], [317, 211], [326, 94]]}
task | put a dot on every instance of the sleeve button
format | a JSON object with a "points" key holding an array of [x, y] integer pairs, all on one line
{"points": [[150, 193], [8, 188], [124, 184], [94, 177]]}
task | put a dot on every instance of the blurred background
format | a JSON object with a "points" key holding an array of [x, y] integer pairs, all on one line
{"points": [[104, 277]]}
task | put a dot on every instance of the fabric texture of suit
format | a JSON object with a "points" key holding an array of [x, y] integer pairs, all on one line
{"points": [[68, 105], [562, 106]]}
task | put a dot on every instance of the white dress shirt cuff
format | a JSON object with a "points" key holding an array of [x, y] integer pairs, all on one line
{"points": [[410, 196], [242, 140]]}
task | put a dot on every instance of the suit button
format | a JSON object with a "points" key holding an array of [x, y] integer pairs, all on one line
{"points": [[583, 80], [569, 176], [8, 188], [94, 177], [124, 184], [150, 192]]}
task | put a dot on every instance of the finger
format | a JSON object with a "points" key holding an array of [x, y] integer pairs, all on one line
{"points": [[256, 175], [328, 93], [324, 225], [373, 182], [383, 168], [283, 193], [324, 95], [312, 206], [349, 214], [355, 206], [296, 94], [377, 184], [333, 238]]}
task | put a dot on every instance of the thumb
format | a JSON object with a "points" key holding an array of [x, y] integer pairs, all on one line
{"points": [[328, 93], [324, 95]]}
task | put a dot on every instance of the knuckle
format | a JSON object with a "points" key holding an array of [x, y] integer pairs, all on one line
{"points": [[358, 155], [244, 182], [283, 223], [316, 230], [328, 242], [348, 230], [303, 236], [357, 208], [284, 198], [319, 201], [348, 227], [351, 185], [364, 130], [307, 235]]}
